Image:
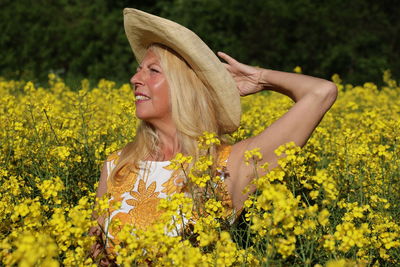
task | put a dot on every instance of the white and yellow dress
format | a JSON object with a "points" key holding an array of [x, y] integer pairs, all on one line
{"points": [[140, 191]]}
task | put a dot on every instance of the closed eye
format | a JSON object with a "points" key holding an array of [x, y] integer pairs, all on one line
{"points": [[154, 70]]}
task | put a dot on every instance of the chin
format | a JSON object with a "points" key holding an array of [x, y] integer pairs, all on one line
{"points": [[144, 116], [154, 116]]}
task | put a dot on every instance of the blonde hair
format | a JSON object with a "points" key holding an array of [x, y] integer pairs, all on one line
{"points": [[194, 111]]}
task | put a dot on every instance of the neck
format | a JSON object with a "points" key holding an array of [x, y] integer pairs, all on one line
{"points": [[169, 145]]}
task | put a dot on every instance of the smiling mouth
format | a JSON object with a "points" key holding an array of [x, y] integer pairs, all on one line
{"points": [[141, 98]]}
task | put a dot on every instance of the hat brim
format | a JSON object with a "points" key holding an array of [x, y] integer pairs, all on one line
{"points": [[143, 29]]}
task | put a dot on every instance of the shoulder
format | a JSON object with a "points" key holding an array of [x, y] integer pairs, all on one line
{"points": [[110, 163], [108, 166], [106, 169], [114, 156]]}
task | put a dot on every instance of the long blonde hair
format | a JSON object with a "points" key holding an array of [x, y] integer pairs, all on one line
{"points": [[193, 112]]}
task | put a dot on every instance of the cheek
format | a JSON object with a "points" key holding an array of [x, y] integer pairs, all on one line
{"points": [[166, 102], [165, 95]]}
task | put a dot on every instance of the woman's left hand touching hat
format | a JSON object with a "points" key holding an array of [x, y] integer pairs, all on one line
{"points": [[247, 78]]}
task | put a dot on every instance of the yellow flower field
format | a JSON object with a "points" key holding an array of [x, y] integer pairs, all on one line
{"points": [[333, 203]]}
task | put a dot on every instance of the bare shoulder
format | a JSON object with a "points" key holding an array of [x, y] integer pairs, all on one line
{"points": [[108, 164], [113, 157]]}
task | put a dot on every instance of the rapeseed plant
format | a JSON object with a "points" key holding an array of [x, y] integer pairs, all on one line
{"points": [[333, 202]]}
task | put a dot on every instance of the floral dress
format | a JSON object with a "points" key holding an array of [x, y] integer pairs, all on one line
{"points": [[141, 191]]}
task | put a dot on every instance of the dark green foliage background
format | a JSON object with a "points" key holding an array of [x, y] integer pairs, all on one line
{"points": [[85, 39]]}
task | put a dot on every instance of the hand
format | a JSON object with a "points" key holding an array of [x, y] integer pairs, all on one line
{"points": [[98, 252], [97, 247], [247, 77]]}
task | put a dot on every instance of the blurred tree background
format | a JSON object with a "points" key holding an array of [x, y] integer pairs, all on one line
{"points": [[357, 39]]}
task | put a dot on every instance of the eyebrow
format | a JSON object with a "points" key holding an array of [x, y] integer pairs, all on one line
{"points": [[154, 63], [149, 65]]}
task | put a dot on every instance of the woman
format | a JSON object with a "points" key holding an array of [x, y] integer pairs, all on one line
{"points": [[182, 89]]}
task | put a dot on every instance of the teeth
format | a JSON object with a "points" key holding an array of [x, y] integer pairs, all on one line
{"points": [[142, 97]]}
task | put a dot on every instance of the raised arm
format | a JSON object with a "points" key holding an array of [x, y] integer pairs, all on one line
{"points": [[312, 96]]}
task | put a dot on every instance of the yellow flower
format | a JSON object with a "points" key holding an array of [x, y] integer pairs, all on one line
{"points": [[335, 196], [297, 69], [253, 155], [51, 188], [207, 140], [179, 162]]}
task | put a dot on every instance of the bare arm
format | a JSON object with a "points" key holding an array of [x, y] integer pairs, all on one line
{"points": [[101, 189], [313, 97], [97, 247]]}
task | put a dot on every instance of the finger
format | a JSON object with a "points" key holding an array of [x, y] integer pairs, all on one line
{"points": [[97, 232], [227, 58], [94, 231], [104, 262], [97, 251], [227, 66]]}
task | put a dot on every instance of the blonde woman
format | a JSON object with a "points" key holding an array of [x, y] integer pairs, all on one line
{"points": [[182, 89]]}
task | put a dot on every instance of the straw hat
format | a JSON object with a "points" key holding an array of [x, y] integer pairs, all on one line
{"points": [[144, 29]]}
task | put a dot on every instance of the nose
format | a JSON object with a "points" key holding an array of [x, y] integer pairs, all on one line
{"points": [[136, 79]]}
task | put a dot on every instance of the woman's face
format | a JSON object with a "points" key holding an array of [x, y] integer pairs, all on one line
{"points": [[151, 90]]}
